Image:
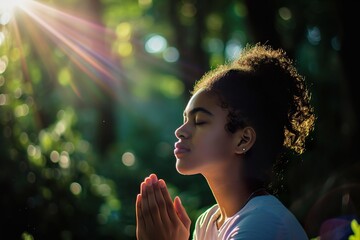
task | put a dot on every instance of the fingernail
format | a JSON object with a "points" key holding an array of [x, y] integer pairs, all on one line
{"points": [[154, 178], [148, 182], [162, 183]]}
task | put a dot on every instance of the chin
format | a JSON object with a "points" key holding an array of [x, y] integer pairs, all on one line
{"points": [[184, 170]]}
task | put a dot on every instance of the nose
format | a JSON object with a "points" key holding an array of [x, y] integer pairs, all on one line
{"points": [[181, 132]]}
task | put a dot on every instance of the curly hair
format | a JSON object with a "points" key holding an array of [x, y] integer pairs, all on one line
{"points": [[262, 88]]}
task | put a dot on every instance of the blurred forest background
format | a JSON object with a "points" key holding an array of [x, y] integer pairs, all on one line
{"points": [[91, 92]]}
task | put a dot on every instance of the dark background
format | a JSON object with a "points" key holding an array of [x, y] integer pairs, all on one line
{"points": [[87, 110]]}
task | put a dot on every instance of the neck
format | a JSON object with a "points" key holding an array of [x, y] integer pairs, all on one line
{"points": [[231, 194]]}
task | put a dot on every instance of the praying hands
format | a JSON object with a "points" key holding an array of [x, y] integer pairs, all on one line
{"points": [[157, 216]]}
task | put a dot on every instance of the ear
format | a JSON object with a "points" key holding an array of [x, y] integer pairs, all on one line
{"points": [[245, 139]]}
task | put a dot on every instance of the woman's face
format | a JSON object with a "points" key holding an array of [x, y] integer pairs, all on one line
{"points": [[203, 143]]}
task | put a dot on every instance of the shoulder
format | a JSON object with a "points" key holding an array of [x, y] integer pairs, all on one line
{"points": [[204, 226], [266, 217], [269, 207], [208, 215]]}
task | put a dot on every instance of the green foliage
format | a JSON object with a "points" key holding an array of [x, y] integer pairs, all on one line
{"points": [[27, 236], [87, 112], [355, 227]]}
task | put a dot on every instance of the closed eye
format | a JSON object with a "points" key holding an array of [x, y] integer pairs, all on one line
{"points": [[199, 123], [194, 115]]}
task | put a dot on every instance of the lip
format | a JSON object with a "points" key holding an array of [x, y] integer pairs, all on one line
{"points": [[180, 149]]}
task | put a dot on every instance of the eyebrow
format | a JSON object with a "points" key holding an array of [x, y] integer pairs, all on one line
{"points": [[199, 109]]}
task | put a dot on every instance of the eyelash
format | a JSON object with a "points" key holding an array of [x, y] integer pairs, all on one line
{"points": [[199, 123]]}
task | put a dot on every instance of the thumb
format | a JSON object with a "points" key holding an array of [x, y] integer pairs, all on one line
{"points": [[181, 212]]}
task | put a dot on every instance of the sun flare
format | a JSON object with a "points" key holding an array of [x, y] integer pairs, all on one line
{"points": [[82, 41], [7, 8], [9, 5]]}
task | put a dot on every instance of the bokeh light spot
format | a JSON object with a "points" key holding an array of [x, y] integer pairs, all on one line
{"points": [[214, 45], [171, 54], [24, 139], [69, 147], [95, 179], [64, 161], [124, 49], [335, 43], [64, 76], [155, 44], [18, 93], [233, 49], [22, 110], [188, 10], [26, 236], [35, 155], [285, 13], [314, 35], [54, 156], [240, 9], [83, 146], [2, 38], [36, 74], [75, 188], [128, 159], [3, 64], [3, 99], [46, 193], [170, 86], [60, 128], [31, 150], [214, 22], [104, 190], [45, 140], [114, 204], [123, 31]]}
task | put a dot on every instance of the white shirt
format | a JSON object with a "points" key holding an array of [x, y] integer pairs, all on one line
{"points": [[263, 217]]}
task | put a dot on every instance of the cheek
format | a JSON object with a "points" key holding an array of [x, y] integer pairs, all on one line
{"points": [[214, 145]]}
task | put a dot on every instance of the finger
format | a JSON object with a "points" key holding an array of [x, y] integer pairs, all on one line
{"points": [[181, 212], [151, 199], [142, 186], [168, 202], [153, 177], [161, 204], [140, 223], [159, 200], [144, 207]]}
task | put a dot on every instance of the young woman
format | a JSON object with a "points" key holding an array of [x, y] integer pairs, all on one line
{"points": [[240, 118]]}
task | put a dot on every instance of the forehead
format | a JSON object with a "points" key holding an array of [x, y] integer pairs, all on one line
{"points": [[203, 99]]}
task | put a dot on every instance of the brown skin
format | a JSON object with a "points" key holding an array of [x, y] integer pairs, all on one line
{"points": [[203, 147], [157, 216]]}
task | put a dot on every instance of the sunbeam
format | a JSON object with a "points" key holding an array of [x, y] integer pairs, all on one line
{"points": [[85, 43], [7, 8]]}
